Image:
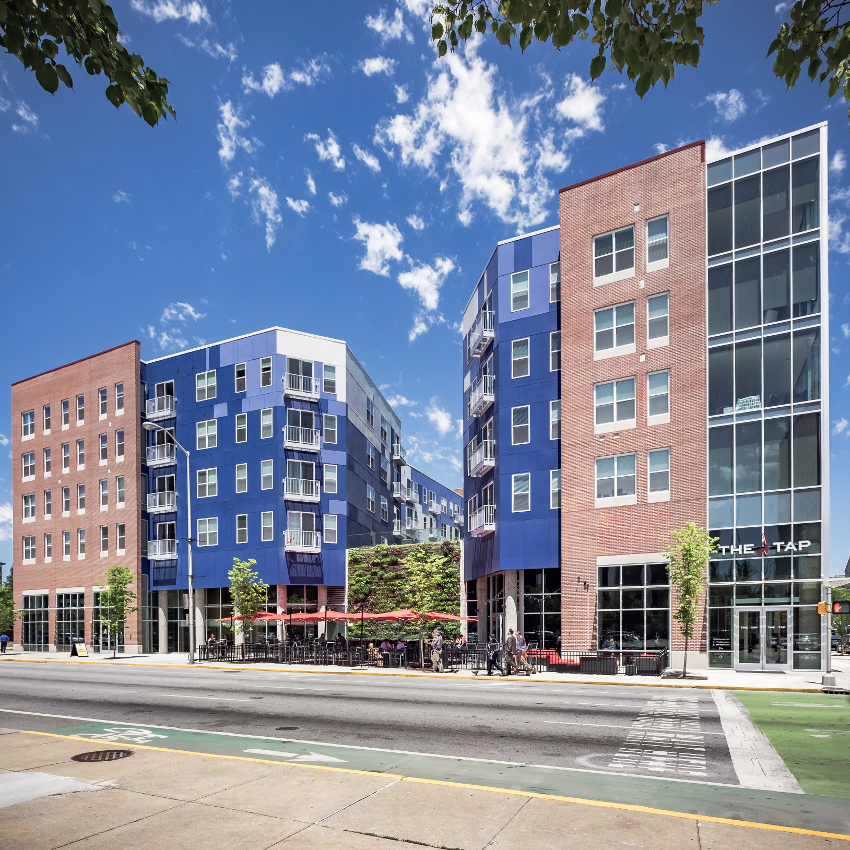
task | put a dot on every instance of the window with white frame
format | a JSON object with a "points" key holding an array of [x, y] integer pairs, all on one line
{"points": [[208, 532], [614, 252], [205, 385], [520, 425], [385, 470], [241, 528], [521, 492], [81, 408], [370, 498], [46, 414], [658, 317], [101, 398], [614, 327], [29, 548], [81, 497], [66, 500], [119, 444], [266, 474], [241, 378], [555, 351], [384, 430], [241, 427], [658, 462], [555, 419], [104, 540], [241, 477], [66, 457], [81, 542], [28, 424], [81, 453], [656, 240], [48, 504], [267, 525], [615, 476], [104, 447], [554, 282], [370, 412], [47, 461], [520, 364], [329, 423], [207, 434], [370, 455], [104, 492], [207, 483], [329, 379], [267, 423], [48, 545], [330, 477], [66, 544], [120, 536], [658, 393], [555, 489], [330, 525], [519, 291], [119, 397], [614, 401], [29, 506], [385, 509], [266, 372], [65, 412], [119, 491]]}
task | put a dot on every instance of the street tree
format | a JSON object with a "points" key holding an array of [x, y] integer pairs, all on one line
{"points": [[688, 550], [248, 592], [116, 602], [34, 30], [648, 39], [8, 614], [840, 622]]}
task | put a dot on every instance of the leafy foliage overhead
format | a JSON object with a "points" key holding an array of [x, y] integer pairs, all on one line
{"points": [[33, 31]]}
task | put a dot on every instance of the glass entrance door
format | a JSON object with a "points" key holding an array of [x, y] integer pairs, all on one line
{"points": [[761, 639]]}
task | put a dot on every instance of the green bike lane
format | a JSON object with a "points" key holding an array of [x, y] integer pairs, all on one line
{"points": [[821, 813]]}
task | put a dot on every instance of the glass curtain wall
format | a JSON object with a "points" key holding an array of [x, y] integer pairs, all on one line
{"points": [[541, 607], [472, 611], [101, 640], [633, 607], [764, 390], [35, 623], [70, 620]]}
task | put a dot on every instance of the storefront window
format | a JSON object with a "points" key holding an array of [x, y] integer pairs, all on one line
{"points": [[70, 620], [633, 607], [541, 606]]}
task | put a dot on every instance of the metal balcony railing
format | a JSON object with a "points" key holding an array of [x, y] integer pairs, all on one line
{"points": [[305, 439], [482, 458], [162, 502], [300, 385], [481, 394], [302, 541], [402, 493], [161, 455], [483, 521], [482, 332], [399, 455], [458, 519], [302, 489], [162, 550], [161, 407], [435, 507]]}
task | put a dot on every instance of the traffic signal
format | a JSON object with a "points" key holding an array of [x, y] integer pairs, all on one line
{"points": [[841, 607], [821, 607]]}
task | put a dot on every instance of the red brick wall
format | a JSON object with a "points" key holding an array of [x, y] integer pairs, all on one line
{"points": [[86, 377], [671, 184]]}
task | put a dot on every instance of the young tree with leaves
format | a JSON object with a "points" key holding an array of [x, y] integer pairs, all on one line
{"points": [[688, 551], [116, 602], [8, 614], [248, 592]]}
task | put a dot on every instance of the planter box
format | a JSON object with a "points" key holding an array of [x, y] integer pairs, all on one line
{"points": [[599, 666]]}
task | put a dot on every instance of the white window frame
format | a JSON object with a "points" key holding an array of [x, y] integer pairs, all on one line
{"points": [[48, 547], [119, 398], [385, 509], [81, 499], [266, 372], [81, 454], [45, 412], [515, 360], [370, 498], [120, 537], [66, 501], [515, 479], [370, 456], [103, 402], [330, 526], [66, 545], [104, 540], [207, 534], [241, 529], [664, 262], [661, 494], [46, 456], [104, 493], [331, 482], [618, 387], [554, 364], [661, 340], [66, 413], [616, 273], [242, 425], [81, 409], [267, 526], [28, 507], [615, 350], [29, 548], [28, 425], [615, 500], [326, 427], [48, 504], [370, 413], [329, 380], [555, 421], [206, 483], [202, 386], [657, 418], [555, 489], [119, 444], [66, 457], [243, 378], [119, 491], [104, 448], [204, 427], [81, 543], [243, 479], [514, 426], [267, 474], [267, 423], [554, 282], [518, 292]]}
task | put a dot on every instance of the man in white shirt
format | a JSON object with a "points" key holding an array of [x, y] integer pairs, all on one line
{"points": [[436, 652], [522, 654]]}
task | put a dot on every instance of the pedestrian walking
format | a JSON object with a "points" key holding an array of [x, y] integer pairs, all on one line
{"points": [[522, 654], [436, 652], [509, 649], [4, 639], [493, 655]]}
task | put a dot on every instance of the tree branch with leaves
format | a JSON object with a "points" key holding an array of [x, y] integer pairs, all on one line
{"points": [[248, 592], [116, 603]]}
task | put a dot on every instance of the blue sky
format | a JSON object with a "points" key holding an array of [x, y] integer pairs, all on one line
{"points": [[333, 176]]}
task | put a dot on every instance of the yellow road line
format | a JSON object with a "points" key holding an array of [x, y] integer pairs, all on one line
{"points": [[628, 807], [665, 684]]}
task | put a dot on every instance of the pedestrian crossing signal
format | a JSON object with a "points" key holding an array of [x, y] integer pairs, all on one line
{"points": [[841, 607], [821, 607]]}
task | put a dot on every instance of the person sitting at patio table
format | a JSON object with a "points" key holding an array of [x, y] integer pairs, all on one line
{"points": [[386, 646], [399, 645], [371, 652]]}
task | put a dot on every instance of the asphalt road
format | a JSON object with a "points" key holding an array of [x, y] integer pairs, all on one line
{"points": [[627, 730]]}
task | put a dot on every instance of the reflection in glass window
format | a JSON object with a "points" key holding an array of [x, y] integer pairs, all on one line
{"points": [[720, 220], [807, 365], [658, 316], [614, 252], [747, 293], [748, 457], [747, 213], [775, 206], [777, 453], [656, 240], [806, 450], [720, 379], [614, 326], [804, 195], [720, 299], [658, 393], [748, 375], [777, 287], [615, 401], [519, 291], [615, 476], [806, 279], [777, 370], [659, 471]]}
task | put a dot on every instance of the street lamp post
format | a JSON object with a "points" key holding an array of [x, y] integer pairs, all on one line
{"points": [[152, 426]]}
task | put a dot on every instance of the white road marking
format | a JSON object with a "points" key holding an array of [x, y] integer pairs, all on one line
{"points": [[604, 725], [219, 699], [296, 757], [808, 705]]}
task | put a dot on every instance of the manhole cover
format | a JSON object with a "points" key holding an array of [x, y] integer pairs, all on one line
{"points": [[102, 755], [286, 728]]}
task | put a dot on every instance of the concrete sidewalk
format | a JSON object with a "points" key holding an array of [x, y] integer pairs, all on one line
{"points": [[174, 800], [794, 680]]}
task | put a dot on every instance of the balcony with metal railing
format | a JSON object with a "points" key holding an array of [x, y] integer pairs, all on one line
{"points": [[302, 490], [162, 550], [482, 458], [458, 519], [399, 491], [483, 521], [481, 395], [163, 502], [302, 541], [399, 455], [161, 407], [161, 455], [303, 439], [300, 386], [482, 332], [435, 507]]}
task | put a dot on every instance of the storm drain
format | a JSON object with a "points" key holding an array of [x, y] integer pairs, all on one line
{"points": [[102, 755]]}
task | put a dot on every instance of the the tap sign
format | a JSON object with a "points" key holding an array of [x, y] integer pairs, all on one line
{"points": [[766, 547]]}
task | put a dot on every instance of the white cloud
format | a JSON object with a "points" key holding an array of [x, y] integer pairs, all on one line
{"points": [[838, 163], [29, 118], [415, 222], [6, 520], [271, 83], [839, 238], [660, 147], [840, 427], [582, 103], [228, 133], [845, 329], [265, 204], [393, 401], [426, 280], [311, 184], [300, 207], [211, 48], [337, 200], [180, 311], [377, 65], [121, 197], [418, 8], [311, 72], [367, 158], [729, 105], [402, 95], [274, 79], [467, 121], [780, 8], [389, 29], [329, 150], [4, 440], [173, 10], [422, 450], [421, 323], [441, 419], [715, 149], [234, 185], [382, 243]]}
